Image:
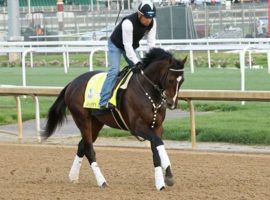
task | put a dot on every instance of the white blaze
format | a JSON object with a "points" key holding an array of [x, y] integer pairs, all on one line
{"points": [[176, 92]]}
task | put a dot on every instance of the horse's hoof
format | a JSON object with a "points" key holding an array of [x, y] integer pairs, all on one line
{"points": [[73, 178], [104, 185], [162, 188], [74, 181], [169, 181]]}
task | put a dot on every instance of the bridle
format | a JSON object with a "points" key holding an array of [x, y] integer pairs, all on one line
{"points": [[157, 88]]}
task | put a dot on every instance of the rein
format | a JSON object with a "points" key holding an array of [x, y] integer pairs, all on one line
{"points": [[163, 97], [153, 84]]}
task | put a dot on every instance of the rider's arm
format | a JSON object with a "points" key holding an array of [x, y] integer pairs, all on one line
{"points": [[151, 36], [127, 34]]}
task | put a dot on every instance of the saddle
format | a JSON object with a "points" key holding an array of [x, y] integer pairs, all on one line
{"points": [[94, 86], [120, 86]]}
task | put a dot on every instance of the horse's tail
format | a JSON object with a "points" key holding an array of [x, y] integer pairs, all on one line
{"points": [[56, 115]]}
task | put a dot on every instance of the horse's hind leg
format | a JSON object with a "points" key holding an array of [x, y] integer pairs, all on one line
{"points": [[76, 166], [85, 147], [91, 156], [90, 152]]}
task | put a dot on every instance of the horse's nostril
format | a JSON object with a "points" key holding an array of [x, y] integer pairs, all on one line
{"points": [[169, 104]]}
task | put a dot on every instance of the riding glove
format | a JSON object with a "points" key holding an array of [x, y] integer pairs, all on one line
{"points": [[137, 67]]}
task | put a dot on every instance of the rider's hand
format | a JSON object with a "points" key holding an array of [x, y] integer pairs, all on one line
{"points": [[137, 67]]}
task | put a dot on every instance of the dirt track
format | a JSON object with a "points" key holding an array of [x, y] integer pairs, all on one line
{"points": [[41, 172]]}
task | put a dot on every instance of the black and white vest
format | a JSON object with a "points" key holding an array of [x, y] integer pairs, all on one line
{"points": [[138, 31]]}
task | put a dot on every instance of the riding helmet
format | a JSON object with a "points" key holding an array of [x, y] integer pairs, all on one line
{"points": [[147, 9]]}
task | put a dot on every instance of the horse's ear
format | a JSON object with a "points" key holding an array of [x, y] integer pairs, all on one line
{"points": [[184, 60]]}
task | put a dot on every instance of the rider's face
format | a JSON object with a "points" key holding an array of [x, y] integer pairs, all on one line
{"points": [[145, 21]]}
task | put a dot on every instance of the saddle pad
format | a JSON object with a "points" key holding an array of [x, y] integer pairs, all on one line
{"points": [[92, 91]]}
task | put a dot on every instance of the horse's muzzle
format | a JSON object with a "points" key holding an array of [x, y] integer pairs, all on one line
{"points": [[170, 104]]}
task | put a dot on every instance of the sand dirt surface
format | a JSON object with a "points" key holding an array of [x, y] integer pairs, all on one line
{"points": [[41, 172]]}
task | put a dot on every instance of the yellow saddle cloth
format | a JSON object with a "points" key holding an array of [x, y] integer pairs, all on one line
{"points": [[94, 86]]}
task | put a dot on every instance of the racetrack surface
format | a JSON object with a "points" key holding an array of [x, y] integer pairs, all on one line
{"points": [[41, 172]]}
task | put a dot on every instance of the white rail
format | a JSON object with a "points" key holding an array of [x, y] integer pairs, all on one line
{"points": [[240, 46]]}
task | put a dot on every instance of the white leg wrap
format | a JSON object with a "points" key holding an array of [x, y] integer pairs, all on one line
{"points": [[75, 169], [165, 161], [159, 179], [99, 177]]}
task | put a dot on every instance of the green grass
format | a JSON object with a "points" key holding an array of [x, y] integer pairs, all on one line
{"points": [[226, 79], [39, 76], [203, 78], [8, 108], [226, 121], [247, 124]]}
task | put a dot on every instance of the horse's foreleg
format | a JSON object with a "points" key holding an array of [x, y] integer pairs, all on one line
{"points": [[166, 164], [161, 161], [159, 179], [160, 157], [76, 166]]}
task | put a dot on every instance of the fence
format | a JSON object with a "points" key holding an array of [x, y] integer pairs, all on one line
{"points": [[187, 95], [239, 46], [218, 95], [30, 91]]}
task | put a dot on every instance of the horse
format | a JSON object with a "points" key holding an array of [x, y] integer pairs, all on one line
{"points": [[143, 107]]}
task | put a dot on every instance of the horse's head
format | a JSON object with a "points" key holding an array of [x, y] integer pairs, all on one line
{"points": [[167, 73], [173, 79]]}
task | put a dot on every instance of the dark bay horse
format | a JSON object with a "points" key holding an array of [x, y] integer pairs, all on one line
{"points": [[143, 108]]}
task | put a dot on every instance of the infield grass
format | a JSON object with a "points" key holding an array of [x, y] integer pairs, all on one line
{"points": [[223, 121]]}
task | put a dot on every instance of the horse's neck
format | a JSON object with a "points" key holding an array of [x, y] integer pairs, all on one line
{"points": [[152, 73]]}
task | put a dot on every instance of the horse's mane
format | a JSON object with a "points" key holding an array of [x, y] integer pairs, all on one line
{"points": [[155, 54]]}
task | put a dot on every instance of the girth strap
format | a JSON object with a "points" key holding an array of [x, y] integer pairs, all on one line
{"points": [[119, 119]]}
